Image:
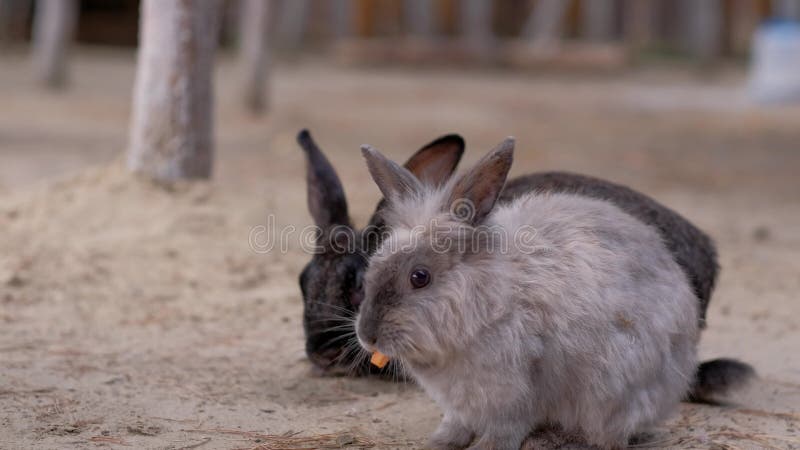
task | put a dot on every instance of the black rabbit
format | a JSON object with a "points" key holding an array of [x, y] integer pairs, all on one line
{"points": [[332, 282]]}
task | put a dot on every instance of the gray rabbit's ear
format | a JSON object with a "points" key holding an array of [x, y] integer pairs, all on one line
{"points": [[434, 163], [474, 194], [395, 182], [326, 200]]}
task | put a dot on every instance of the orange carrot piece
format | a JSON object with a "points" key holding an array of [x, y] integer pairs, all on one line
{"points": [[379, 360]]}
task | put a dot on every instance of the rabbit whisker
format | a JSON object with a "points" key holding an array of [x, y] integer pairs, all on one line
{"points": [[335, 307], [344, 336], [346, 326], [332, 318]]}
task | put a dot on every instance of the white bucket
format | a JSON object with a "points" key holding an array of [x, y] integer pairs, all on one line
{"points": [[775, 68]]}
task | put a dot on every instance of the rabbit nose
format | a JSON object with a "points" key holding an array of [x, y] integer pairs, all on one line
{"points": [[367, 326], [369, 333]]}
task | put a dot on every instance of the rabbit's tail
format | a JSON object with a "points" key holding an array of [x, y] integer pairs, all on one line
{"points": [[718, 377]]}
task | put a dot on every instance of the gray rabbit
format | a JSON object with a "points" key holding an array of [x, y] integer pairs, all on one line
{"points": [[332, 282], [588, 322]]}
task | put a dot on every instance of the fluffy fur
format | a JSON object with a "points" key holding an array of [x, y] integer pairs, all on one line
{"points": [[718, 377], [692, 249], [592, 325]]}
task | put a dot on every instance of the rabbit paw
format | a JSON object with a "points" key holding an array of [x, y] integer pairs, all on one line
{"points": [[450, 435]]}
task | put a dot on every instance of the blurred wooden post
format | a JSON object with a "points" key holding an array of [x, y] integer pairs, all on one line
{"points": [[53, 29], [787, 9], [744, 21], [704, 19], [293, 22], [172, 121], [255, 56], [387, 16], [545, 26], [476, 22], [13, 19], [419, 17], [639, 22], [229, 23], [343, 18], [598, 19]]}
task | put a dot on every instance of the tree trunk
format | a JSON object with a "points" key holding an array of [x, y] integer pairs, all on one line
{"points": [[419, 17], [476, 22], [639, 22], [705, 28], [598, 19], [14, 20], [53, 29], [172, 125], [255, 54], [787, 9], [545, 25]]}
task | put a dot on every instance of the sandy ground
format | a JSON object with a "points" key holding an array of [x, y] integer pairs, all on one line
{"points": [[134, 315]]}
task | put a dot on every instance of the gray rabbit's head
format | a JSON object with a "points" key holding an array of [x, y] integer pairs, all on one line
{"points": [[332, 282], [417, 280]]}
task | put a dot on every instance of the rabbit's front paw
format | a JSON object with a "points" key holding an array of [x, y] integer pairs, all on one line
{"points": [[450, 435]]}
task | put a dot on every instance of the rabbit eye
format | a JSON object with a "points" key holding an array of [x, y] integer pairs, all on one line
{"points": [[420, 278]]}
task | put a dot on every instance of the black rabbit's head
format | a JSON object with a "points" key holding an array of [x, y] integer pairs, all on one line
{"points": [[332, 282]]}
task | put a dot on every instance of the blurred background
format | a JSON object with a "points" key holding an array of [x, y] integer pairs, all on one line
{"points": [[717, 55], [142, 143]]}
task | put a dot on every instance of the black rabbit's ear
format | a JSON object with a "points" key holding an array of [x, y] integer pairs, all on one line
{"points": [[394, 181], [326, 200], [474, 194], [434, 163]]}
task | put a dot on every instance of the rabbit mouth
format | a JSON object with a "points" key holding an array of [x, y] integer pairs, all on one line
{"points": [[399, 347], [344, 363]]}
